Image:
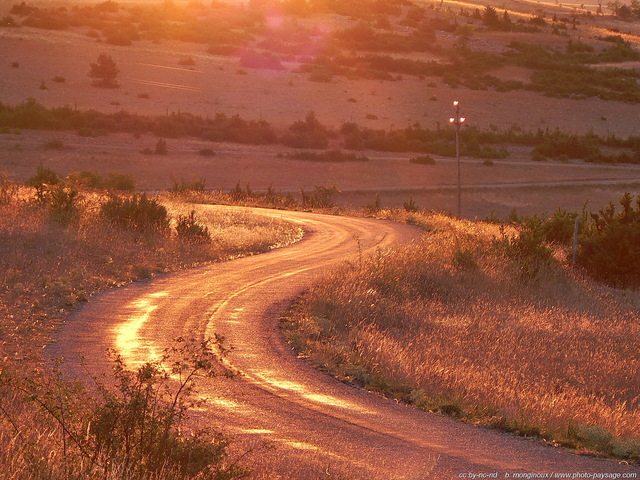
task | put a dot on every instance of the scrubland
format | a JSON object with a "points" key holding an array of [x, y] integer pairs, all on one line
{"points": [[460, 324], [465, 325], [58, 246]]}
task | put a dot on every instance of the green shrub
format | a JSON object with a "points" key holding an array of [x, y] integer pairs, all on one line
{"points": [[134, 426], [465, 259], [529, 251], [183, 185], [410, 205], [137, 213], [308, 133], [569, 146], [43, 178], [608, 242], [161, 147], [62, 202], [189, 229], [104, 72], [321, 197], [375, 206], [609, 249], [85, 179], [206, 152], [122, 182]]}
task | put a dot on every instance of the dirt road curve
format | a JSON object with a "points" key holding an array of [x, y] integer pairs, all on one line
{"points": [[320, 427]]}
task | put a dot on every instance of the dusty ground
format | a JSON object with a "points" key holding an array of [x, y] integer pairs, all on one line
{"points": [[516, 183], [214, 85]]}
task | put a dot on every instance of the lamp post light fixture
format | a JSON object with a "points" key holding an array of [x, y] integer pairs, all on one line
{"points": [[457, 121]]}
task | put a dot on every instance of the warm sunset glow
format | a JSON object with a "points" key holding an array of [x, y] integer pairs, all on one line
{"points": [[128, 342]]}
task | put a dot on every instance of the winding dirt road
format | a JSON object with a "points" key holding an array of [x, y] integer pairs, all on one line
{"points": [[320, 428]]}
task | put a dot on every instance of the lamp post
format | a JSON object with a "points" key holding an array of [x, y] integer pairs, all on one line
{"points": [[457, 121]]}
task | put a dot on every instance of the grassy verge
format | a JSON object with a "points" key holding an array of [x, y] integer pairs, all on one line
{"points": [[58, 247], [465, 324]]}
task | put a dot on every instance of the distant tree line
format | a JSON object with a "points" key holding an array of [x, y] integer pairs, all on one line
{"points": [[310, 133]]}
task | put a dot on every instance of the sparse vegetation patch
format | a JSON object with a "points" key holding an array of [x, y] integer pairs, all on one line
{"points": [[62, 241], [449, 326]]}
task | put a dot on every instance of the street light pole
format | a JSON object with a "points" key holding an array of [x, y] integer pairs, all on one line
{"points": [[457, 121]]}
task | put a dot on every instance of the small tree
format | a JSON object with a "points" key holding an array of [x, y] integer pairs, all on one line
{"points": [[104, 71], [161, 147]]}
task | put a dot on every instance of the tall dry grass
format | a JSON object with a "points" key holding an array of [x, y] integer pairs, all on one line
{"points": [[46, 270], [459, 324]]}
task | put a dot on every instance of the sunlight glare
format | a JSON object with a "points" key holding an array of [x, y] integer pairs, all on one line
{"points": [[127, 333]]}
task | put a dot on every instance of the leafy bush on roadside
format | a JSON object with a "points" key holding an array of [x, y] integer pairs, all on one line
{"points": [[133, 428], [569, 146], [321, 197], [189, 229], [119, 181], [608, 242], [62, 202], [137, 213], [43, 178], [183, 185], [528, 250], [609, 248]]}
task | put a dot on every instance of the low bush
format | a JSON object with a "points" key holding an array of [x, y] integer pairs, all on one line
{"points": [[183, 185], [85, 179], [63, 203], [117, 181], [133, 427], [206, 152], [307, 133], [609, 247], [161, 147], [137, 213], [410, 205], [43, 178], [448, 324], [189, 229], [608, 241], [321, 197]]}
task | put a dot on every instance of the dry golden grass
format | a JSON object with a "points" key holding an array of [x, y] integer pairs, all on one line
{"points": [[48, 269], [452, 326]]}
